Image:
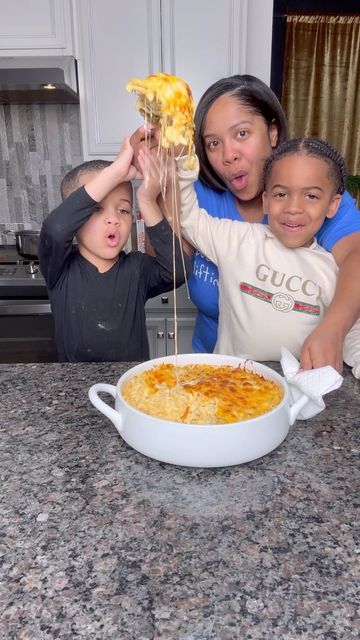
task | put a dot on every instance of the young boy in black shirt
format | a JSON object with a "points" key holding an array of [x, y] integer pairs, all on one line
{"points": [[97, 292]]}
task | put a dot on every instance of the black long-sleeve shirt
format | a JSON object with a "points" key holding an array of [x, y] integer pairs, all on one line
{"points": [[101, 316]]}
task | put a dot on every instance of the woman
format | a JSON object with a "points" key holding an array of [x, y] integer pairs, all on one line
{"points": [[238, 122]]}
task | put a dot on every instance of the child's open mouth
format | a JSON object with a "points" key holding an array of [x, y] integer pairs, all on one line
{"points": [[112, 239]]}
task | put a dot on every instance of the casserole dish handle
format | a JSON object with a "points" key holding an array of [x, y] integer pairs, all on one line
{"points": [[295, 409], [103, 407]]}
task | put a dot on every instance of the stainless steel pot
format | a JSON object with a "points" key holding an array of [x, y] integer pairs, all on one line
{"points": [[27, 243], [199, 445]]}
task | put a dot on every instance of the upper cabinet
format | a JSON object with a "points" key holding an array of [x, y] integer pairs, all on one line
{"points": [[36, 28], [201, 41]]}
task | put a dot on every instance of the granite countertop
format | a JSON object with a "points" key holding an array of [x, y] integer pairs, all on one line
{"points": [[99, 542]]}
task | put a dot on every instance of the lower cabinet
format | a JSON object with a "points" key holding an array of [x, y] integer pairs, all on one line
{"points": [[162, 337], [26, 334], [160, 324]]}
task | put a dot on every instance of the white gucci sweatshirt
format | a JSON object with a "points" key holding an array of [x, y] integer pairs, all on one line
{"points": [[269, 295]]}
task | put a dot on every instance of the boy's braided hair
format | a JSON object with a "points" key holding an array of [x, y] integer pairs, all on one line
{"points": [[312, 147]]}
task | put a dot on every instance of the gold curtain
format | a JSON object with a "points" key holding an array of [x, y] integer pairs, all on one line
{"points": [[321, 87]]}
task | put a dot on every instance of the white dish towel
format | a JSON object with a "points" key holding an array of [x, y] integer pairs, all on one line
{"points": [[314, 383]]}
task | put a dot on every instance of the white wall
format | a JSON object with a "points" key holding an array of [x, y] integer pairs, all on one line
{"points": [[259, 35]]}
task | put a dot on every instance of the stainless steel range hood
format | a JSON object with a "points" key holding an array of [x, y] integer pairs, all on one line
{"points": [[30, 80]]}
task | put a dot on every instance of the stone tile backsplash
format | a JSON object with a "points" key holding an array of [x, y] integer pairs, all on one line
{"points": [[38, 145]]}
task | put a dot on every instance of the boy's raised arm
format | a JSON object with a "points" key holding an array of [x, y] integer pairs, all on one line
{"points": [[58, 231], [121, 170]]}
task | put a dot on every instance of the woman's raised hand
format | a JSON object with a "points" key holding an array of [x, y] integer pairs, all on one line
{"points": [[124, 163], [146, 136]]}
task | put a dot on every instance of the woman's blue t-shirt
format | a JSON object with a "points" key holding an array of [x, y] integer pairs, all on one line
{"points": [[203, 284]]}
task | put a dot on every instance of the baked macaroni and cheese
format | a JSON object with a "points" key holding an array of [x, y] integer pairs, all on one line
{"points": [[202, 394], [167, 101]]}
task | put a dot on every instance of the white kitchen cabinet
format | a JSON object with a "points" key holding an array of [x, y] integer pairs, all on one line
{"points": [[36, 28], [185, 330], [156, 333], [161, 334], [160, 323], [201, 41]]}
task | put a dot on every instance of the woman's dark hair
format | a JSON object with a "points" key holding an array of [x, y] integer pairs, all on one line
{"points": [[316, 148], [250, 92], [70, 181]]}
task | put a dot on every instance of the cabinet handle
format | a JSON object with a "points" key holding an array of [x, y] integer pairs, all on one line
{"points": [[171, 335], [160, 335]]}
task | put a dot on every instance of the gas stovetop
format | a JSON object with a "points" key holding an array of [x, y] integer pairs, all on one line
{"points": [[20, 273], [19, 276]]}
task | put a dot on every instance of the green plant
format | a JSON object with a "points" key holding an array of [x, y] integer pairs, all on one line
{"points": [[353, 185]]}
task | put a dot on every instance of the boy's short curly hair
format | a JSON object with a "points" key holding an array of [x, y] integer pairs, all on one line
{"points": [[70, 181], [314, 147]]}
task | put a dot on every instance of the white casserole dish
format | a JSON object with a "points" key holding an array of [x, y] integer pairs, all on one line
{"points": [[199, 445]]}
